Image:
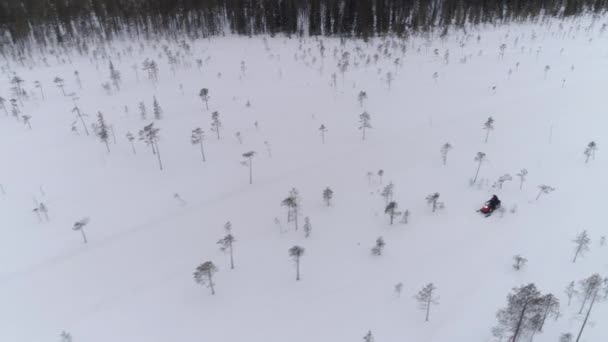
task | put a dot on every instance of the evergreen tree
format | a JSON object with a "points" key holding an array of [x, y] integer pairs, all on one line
{"points": [[197, 138], [157, 110], [102, 130], [296, 252], [204, 273]]}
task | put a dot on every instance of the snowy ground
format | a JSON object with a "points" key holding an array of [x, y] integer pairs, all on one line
{"points": [[133, 280]]}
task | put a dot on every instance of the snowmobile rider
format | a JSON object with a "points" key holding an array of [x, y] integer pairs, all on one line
{"points": [[493, 203]]}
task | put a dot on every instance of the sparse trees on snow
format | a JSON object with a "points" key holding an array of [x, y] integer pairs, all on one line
{"points": [[391, 210], [102, 130], [488, 126], [433, 201], [364, 123], [519, 262], [323, 130], [296, 252], [292, 202], [522, 177], [544, 189], [590, 151], [79, 226], [445, 148], [204, 95], [197, 138], [203, 275], [249, 162], [226, 245], [426, 298], [581, 243], [216, 124], [480, 157], [149, 134], [328, 194], [379, 246]]}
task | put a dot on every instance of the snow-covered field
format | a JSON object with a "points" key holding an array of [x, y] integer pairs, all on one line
{"points": [[133, 280]]}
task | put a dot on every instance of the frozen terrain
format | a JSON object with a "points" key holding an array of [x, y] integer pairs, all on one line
{"points": [[133, 280]]}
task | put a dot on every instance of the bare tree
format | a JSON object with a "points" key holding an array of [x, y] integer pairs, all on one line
{"points": [[249, 162], [480, 157], [204, 95], [226, 245], [328, 194], [79, 226], [379, 246], [522, 177], [582, 243], [427, 297], [519, 262], [197, 138], [488, 126], [364, 123], [296, 252], [445, 148], [203, 275], [590, 151], [544, 189], [292, 202]]}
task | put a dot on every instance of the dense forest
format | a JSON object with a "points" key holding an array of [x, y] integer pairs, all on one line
{"points": [[57, 21]]}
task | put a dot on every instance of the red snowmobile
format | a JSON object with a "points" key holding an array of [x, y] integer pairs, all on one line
{"points": [[489, 207]]}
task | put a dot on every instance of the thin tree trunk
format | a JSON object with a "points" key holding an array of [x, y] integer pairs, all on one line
{"points": [[133, 147], [84, 237], [323, 137], [41, 93], [428, 306], [82, 121], [298, 268], [521, 184], [539, 193], [207, 104], [211, 285], [487, 135], [107, 144], [519, 323], [363, 133], [296, 217], [231, 257], [113, 136], [583, 305], [202, 150], [392, 216], [250, 170], [160, 162], [580, 333], [477, 173], [578, 250]]}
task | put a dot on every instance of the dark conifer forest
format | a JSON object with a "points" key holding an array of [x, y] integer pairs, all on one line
{"points": [[57, 21]]}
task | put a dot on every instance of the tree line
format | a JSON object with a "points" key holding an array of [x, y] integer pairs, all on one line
{"points": [[55, 21]]}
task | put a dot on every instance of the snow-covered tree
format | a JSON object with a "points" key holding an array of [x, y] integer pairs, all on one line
{"points": [[445, 149], [590, 151], [130, 137], [292, 202], [488, 126], [524, 306], [323, 130], [216, 124], [480, 157], [550, 308], [391, 210], [364, 123], [102, 130], [522, 177], [544, 189], [387, 193], [197, 138], [150, 135], [203, 275], [426, 298], [519, 262], [115, 76], [156, 109], [227, 245], [379, 246], [433, 201], [296, 252], [581, 243], [79, 226], [328, 194], [307, 227], [249, 162], [204, 95]]}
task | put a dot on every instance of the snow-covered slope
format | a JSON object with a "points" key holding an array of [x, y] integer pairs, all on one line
{"points": [[133, 280]]}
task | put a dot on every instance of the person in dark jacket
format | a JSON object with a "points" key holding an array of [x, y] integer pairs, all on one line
{"points": [[493, 203]]}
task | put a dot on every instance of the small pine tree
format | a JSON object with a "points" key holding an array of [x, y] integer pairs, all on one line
{"points": [[203, 275], [433, 201], [590, 151], [582, 243], [323, 130], [204, 95], [427, 297], [364, 123], [79, 226], [544, 189], [570, 291], [292, 202], [102, 130], [249, 162], [519, 262], [328, 194], [130, 137], [480, 157], [445, 148], [566, 337], [307, 227], [226, 245], [522, 177], [362, 97], [216, 124], [65, 336], [296, 252], [115, 76], [488, 126], [368, 337], [379, 246], [142, 111], [391, 210], [156, 109], [405, 217], [197, 138]]}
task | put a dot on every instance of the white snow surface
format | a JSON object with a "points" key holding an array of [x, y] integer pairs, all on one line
{"points": [[133, 280]]}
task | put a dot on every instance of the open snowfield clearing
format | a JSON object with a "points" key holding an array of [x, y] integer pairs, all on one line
{"points": [[133, 280]]}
